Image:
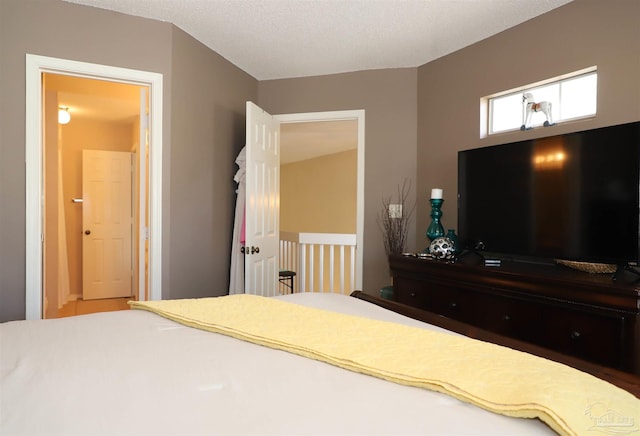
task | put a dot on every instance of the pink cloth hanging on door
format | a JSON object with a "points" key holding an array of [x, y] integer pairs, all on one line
{"points": [[243, 237]]}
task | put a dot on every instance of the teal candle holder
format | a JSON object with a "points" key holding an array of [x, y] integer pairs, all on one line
{"points": [[435, 229]]}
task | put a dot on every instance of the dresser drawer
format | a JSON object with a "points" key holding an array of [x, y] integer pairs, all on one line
{"points": [[591, 336], [438, 298], [408, 291], [578, 314], [510, 317]]}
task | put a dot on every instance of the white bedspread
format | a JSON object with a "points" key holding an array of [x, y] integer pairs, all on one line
{"points": [[135, 373]]}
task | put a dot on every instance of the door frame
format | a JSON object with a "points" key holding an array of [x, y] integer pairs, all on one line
{"points": [[346, 115], [34, 134]]}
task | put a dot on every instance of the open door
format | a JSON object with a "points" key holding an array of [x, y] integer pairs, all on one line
{"points": [[262, 202]]}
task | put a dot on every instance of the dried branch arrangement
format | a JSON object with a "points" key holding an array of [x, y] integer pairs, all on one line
{"points": [[395, 229]]}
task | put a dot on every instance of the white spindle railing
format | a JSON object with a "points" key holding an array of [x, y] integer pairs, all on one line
{"points": [[323, 262]]}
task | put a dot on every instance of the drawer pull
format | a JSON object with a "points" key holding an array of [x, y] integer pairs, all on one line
{"points": [[413, 295], [506, 318], [575, 334], [453, 305]]}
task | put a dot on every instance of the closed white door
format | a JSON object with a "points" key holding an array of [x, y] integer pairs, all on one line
{"points": [[107, 224], [262, 202]]}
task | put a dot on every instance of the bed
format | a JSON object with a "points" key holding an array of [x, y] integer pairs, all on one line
{"points": [[137, 372]]}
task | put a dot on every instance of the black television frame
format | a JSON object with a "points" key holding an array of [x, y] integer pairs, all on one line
{"points": [[497, 210]]}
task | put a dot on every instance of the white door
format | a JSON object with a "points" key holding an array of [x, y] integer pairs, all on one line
{"points": [[107, 223], [262, 222]]}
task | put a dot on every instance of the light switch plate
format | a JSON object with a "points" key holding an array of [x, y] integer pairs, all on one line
{"points": [[395, 211]]}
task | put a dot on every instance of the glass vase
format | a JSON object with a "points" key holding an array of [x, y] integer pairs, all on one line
{"points": [[435, 229]]}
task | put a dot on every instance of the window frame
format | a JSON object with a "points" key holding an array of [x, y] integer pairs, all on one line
{"points": [[487, 103]]}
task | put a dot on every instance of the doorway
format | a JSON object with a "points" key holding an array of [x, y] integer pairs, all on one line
{"points": [[253, 138], [92, 191], [350, 123], [148, 230]]}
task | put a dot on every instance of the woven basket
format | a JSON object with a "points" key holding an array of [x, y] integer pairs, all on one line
{"points": [[593, 268]]}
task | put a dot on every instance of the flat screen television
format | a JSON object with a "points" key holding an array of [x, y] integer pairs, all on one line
{"points": [[573, 196]]}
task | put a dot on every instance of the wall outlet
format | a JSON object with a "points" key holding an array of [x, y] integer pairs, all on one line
{"points": [[395, 211]]}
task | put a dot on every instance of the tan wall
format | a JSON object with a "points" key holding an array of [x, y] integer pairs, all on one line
{"points": [[319, 195], [575, 36], [389, 100], [203, 130]]}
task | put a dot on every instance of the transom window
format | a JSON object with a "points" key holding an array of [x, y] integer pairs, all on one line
{"points": [[571, 97]]}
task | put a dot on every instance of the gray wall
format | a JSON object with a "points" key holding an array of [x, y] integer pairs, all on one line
{"points": [[208, 131], [580, 34], [389, 98], [446, 115], [416, 119], [201, 130]]}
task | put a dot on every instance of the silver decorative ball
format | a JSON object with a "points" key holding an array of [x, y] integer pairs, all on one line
{"points": [[442, 248]]}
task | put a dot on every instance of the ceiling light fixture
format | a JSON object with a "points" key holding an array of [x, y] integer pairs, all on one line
{"points": [[63, 115]]}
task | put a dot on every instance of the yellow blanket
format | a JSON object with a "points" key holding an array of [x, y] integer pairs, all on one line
{"points": [[495, 378]]}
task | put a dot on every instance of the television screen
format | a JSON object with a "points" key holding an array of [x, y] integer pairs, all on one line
{"points": [[573, 196]]}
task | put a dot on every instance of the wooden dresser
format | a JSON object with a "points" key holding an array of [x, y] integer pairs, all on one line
{"points": [[583, 315]]}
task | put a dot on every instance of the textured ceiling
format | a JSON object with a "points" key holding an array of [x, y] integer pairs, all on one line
{"points": [[272, 39]]}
